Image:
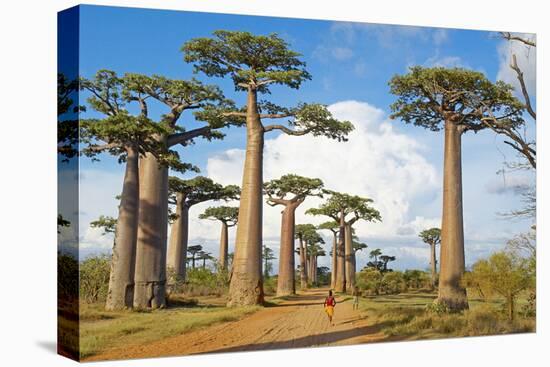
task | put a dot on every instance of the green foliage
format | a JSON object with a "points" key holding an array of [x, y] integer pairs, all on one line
{"points": [[393, 282], [94, 278], [297, 187], [369, 281], [417, 279], [431, 236], [203, 281], [67, 277], [267, 255], [503, 274], [62, 222], [107, 223], [303, 230], [67, 124], [247, 58], [332, 226], [316, 119], [226, 214], [428, 96], [200, 189], [353, 205], [437, 308]]}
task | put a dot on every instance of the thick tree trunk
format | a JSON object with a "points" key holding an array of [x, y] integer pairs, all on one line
{"points": [[303, 266], [246, 286], [179, 235], [121, 280], [350, 254], [451, 292], [315, 272], [224, 245], [341, 261], [333, 271], [285, 280], [433, 265], [150, 275]]}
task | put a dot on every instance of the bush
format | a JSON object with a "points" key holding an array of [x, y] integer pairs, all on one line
{"points": [[205, 282], [67, 277], [369, 281], [393, 282], [437, 308], [94, 278], [270, 285]]}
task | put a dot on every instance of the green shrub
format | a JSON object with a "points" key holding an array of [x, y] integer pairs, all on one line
{"points": [[393, 282], [94, 278], [270, 285], [67, 277]]}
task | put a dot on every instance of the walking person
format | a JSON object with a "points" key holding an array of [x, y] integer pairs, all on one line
{"points": [[329, 305], [355, 294]]}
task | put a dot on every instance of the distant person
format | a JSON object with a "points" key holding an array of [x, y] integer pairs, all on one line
{"points": [[355, 294], [329, 305]]}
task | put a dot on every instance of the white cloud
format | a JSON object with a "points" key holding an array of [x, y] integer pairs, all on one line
{"points": [[377, 162], [440, 36], [445, 61], [526, 59]]}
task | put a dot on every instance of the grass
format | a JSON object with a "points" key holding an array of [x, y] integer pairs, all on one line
{"points": [[101, 330], [405, 316]]}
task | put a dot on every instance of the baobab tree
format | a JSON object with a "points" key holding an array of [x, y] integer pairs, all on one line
{"points": [[333, 227], [357, 246], [268, 255], [374, 254], [228, 216], [177, 96], [67, 117], [385, 259], [128, 137], [302, 233], [194, 251], [289, 191], [255, 63], [203, 255], [314, 251], [338, 207], [432, 237], [456, 100], [184, 194]]}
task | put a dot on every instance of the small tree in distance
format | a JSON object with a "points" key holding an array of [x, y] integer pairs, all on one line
{"points": [[432, 237]]}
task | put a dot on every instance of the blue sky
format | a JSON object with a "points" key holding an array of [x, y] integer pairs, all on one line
{"points": [[351, 64]]}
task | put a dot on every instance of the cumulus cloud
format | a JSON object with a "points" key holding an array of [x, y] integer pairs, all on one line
{"points": [[377, 162], [445, 62], [526, 59]]}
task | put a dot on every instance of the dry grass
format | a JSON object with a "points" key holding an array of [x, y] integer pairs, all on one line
{"points": [[101, 330], [405, 316]]}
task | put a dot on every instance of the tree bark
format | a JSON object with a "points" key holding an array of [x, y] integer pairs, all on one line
{"points": [[433, 264], [451, 292], [150, 275], [285, 280], [179, 235], [341, 262], [246, 286], [510, 307], [303, 266], [334, 266], [121, 279], [350, 254], [224, 245]]}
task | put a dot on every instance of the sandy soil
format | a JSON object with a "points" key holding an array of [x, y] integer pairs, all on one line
{"points": [[296, 323]]}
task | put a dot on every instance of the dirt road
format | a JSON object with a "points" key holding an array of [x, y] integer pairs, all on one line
{"points": [[295, 323]]}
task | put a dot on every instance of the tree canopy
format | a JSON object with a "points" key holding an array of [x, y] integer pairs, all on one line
{"points": [[292, 189], [429, 96], [226, 214], [356, 206], [199, 189], [303, 230], [248, 59], [107, 223], [431, 236]]}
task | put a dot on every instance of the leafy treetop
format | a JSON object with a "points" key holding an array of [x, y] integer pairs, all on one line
{"points": [[431, 236], [254, 62], [198, 190], [250, 60], [107, 223], [429, 96], [302, 230], [297, 187], [339, 203], [226, 214]]}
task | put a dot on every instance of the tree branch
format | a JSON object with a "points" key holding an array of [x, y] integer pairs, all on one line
{"points": [[275, 115], [184, 137], [286, 130], [508, 36], [524, 91]]}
